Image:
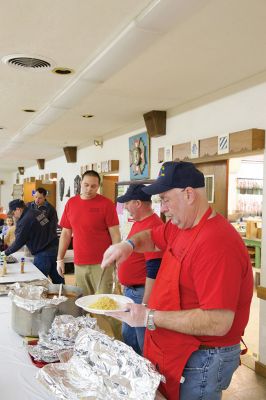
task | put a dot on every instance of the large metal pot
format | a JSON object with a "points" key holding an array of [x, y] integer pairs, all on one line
{"points": [[69, 306], [26, 323]]}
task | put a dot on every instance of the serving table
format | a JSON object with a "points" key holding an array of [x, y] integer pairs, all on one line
{"points": [[14, 274], [17, 373]]}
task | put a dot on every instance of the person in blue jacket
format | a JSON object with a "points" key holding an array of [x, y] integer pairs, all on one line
{"points": [[34, 230], [40, 203]]}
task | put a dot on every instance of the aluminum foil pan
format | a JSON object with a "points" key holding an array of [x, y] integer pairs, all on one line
{"points": [[101, 368], [5, 288], [61, 337], [32, 298]]}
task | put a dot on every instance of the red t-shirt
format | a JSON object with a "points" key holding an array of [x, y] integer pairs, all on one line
{"points": [[133, 270], [216, 272], [89, 221]]}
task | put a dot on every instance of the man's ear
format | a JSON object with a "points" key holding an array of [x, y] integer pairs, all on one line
{"points": [[190, 195]]}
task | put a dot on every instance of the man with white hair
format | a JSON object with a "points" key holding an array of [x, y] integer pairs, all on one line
{"points": [[200, 302]]}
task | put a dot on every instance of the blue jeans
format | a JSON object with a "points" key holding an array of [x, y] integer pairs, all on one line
{"points": [[209, 372], [134, 337], [45, 261]]}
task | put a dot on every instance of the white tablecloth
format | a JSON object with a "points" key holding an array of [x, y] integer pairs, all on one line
{"points": [[14, 274], [17, 373]]}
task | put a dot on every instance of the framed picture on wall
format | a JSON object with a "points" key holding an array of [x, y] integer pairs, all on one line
{"points": [[168, 153], [194, 149], [209, 185], [223, 144], [139, 156]]}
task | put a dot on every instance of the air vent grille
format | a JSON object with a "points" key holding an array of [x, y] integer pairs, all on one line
{"points": [[23, 61]]}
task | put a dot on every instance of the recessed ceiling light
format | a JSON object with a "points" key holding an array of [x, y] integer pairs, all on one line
{"points": [[87, 116], [29, 110], [62, 71]]}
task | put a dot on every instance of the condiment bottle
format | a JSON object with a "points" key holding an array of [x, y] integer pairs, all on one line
{"points": [[22, 263], [4, 265]]}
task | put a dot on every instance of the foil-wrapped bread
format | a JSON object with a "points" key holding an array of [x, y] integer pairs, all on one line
{"points": [[101, 368]]}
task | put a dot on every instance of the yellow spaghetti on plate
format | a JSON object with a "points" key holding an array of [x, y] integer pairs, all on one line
{"points": [[104, 303]]}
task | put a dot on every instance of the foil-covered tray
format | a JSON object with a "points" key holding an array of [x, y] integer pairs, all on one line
{"points": [[61, 338], [101, 369], [5, 288], [32, 298]]}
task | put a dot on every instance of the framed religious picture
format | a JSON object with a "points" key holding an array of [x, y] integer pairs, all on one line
{"points": [[139, 156]]}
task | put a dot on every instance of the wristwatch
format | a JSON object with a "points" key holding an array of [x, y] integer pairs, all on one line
{"points": [[150, 320]]}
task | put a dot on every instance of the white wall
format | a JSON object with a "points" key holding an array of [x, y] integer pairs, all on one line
{"points": [[243, 110], [6, 189]]}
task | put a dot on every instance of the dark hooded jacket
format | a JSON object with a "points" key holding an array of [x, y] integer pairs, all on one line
{"points": [[34, 230]]}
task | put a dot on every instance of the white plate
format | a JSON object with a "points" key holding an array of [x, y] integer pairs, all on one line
{"points": [[84, 302]]}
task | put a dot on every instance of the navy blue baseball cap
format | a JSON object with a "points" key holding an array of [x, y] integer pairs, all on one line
{"points": [[134, 192], [176, 175], [14, 204]]}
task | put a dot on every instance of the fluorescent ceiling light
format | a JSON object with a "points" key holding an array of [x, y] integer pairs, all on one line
{"points": [[162, 15], [49, 115], [127, 46], [74, 93], [17, 139], [31, 129]]}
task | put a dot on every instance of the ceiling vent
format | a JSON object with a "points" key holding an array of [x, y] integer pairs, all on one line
{"points": [[23, 61]]}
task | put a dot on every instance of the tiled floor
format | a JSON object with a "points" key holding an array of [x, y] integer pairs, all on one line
{"points": [[246, 385]]}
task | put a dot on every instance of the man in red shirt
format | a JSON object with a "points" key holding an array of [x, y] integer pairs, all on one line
{"points": [[92, 220], [138, 272], [200, 302]]}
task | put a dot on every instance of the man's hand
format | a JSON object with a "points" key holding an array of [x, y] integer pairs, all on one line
{"points": [[135, 316], [2, 253], [60, 267], [117, 253]]}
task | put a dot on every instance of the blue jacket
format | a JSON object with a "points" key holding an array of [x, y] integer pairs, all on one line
{"points": [[48, 210], [34, 230]]}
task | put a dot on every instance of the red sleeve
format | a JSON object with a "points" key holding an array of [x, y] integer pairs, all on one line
{"points": [[213, 272], [158, 235], [65, 223], [153, 255], [111, 217]]}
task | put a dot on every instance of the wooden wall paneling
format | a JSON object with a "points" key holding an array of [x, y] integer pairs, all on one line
{"points": [[261, 292], [181, 151], [220, 171], [29, 187], [161, 155], [247, 140], [109, 187], [113, 165], [208, 147]]}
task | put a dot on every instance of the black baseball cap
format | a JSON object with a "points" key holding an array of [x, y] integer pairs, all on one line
{"points": [[14, 204], [175, 174], [134, 192]]}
